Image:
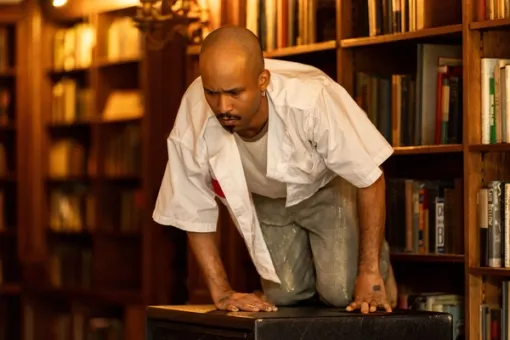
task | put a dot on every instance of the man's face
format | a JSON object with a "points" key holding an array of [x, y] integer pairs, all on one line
{"points": [[232, 92]]}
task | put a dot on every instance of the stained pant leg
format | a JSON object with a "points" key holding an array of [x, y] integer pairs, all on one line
{"points": [[290, 251], [331, 216]]}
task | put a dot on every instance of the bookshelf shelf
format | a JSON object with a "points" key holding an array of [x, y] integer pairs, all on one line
{"points": [[116, 235], [431, 258], [68, 125], [490, 147], [10, 289], [7, 233], [9, 178], [427, 149], [70, 179], [119, 297], [302, 49], [68, 72], [77, 236], [486, 271], [121, 178], [9, 73], [7, 127], [490, 24], [450, 30], [105, 63], [329, 45], [128, 120]]}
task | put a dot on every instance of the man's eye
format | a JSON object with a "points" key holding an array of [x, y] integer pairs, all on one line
{"points": [[235, 93]]}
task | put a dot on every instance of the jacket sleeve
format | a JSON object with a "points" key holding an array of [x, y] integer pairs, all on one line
{"points": [[345, 137], [185, 200]]}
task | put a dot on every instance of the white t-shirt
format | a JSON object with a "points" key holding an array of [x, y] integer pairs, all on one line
{"points": [[253, 153]]}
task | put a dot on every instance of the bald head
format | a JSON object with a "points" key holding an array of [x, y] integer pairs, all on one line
{"points": [[234, 79], [232, 44]]}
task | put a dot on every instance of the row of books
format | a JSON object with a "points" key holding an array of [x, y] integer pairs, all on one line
{"points": [[491, 10], [73, 47], [71, 157], [425, 217], [73, 209], [398, 16], [495, 100], [284, 23], [438, 302], [493, 205], [417, 109], [82, 324], [495, 314], [73, 102]]}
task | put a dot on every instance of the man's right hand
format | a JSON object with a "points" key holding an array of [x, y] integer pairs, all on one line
{"points": [[235, 302]]}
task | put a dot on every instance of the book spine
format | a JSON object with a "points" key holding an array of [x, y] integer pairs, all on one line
{"points": [[483, 224], [505, 217], [495, 224]]}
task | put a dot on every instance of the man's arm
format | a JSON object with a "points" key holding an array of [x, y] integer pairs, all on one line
{"points": [[203, 246], [372, 214]]}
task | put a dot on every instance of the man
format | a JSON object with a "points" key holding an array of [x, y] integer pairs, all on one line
{"points": [[297, 164]]}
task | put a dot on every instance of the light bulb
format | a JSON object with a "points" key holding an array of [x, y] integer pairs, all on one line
{"points": [[58, 3]]}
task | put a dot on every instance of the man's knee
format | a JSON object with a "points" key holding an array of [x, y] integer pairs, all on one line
{"points": [[336, 296], [286, 298], [338, 290], [291, 290]]}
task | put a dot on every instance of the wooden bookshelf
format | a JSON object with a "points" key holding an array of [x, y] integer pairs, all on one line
{"points": [[430, 258], [10, 289], [485, 42], [424, 34], [387, 54], [427, 149], [13, 213], [503, 23], [484, 271], [347, 48], [484, 148], [92, 251], [423, 159]]}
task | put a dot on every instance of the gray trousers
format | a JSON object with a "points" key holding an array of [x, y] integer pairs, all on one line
{"points": [[314, 245]]}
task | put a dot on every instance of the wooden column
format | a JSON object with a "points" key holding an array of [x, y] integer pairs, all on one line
{"points": [[164, 263]]}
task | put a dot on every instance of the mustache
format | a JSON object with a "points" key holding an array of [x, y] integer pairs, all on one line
{"points": [[227, 116]]}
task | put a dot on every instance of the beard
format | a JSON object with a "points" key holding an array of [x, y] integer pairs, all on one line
{"points": [[225, 117], [229, 129], [244, 121]]}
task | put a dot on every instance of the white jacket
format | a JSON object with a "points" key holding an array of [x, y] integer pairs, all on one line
{"points": [[317, 132]]}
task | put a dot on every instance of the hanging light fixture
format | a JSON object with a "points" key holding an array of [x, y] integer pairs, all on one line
{"points": [[160, 20]]}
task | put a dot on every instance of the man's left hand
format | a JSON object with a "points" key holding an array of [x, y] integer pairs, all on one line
{"points": [[369, 293]]}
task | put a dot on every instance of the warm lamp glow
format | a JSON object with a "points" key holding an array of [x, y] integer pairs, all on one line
{"points": [[58, 3]]}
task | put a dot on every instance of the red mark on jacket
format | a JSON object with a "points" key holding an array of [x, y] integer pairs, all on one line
{"points": [[217, 188]]}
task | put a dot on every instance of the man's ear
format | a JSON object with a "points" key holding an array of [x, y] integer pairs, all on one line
{"points": [[264, 78]]}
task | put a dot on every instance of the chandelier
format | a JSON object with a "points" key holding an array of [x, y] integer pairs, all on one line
{"points": [[160, 20]]}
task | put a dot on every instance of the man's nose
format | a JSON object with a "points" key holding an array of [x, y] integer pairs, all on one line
{"points": [[224, 104]]}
